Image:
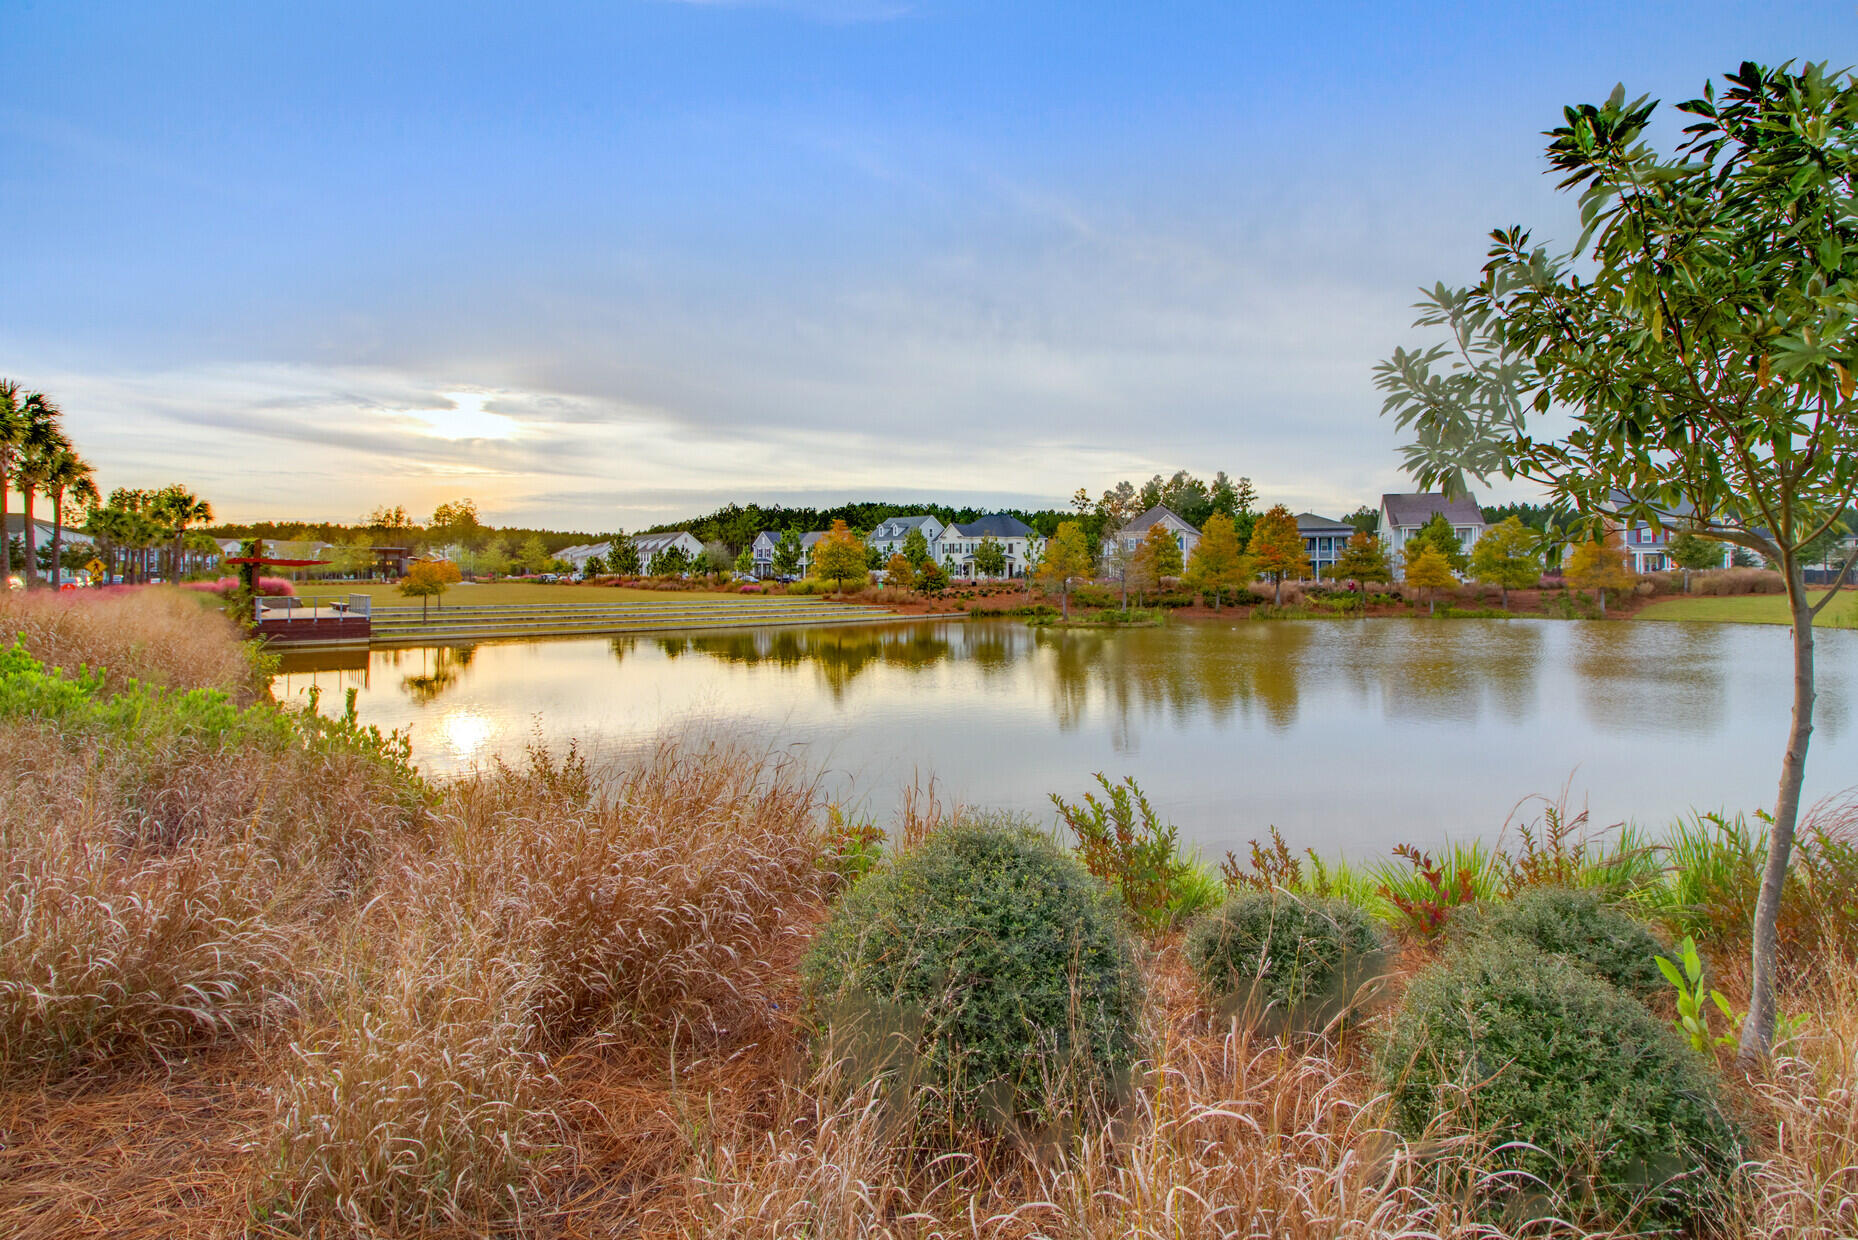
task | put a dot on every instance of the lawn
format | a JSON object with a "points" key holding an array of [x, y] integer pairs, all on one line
{"points": [[494, 593], [1750, 609]]}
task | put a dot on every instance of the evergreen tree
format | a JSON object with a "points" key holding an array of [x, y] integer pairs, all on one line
{"points": [[623, 556], [989, 557], [1438, 534], [1692, 553], [916, 548], [787, 553]]}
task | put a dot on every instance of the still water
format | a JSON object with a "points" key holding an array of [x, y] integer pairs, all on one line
{"points": [[1347, 735]]}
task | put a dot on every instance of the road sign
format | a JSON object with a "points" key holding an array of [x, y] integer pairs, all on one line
{"points": [[96, 569]]}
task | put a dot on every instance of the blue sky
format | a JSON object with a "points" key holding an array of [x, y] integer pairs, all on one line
{"points": [[609, 264]]}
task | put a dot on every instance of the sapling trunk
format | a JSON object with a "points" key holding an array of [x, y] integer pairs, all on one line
{"points": [[1758, 1029]]}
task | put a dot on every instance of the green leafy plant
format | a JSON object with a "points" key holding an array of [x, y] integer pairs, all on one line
{"points": [[1686, 977], [1284, 961], [1122, 841], [1582, 1104], [983, 980]]}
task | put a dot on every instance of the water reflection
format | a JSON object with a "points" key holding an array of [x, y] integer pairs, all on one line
{"points": [[1346, 733]]}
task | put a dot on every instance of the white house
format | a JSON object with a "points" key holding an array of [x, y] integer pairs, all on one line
{"points": [[651, 546], [580, 553], [960, 540], [1186, 537], [891, 532], [1402, 516]]}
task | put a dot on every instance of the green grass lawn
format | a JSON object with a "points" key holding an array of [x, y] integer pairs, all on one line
{"points": [[386, 594], [1751, 609]]}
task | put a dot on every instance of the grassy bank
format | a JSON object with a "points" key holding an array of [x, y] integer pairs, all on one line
{"points": [[508, 593], [1752, 609], [257, 977]]}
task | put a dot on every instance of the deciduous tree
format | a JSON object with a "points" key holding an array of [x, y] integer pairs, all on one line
{"points": [[989, 557], [1277, 549], [1364, 558], [1599, 565], [900, 572], [1067, 558], [1509, 557], [1702, 335], [1217, 565], [429, 579], [838, 556], [1157, 557], [787, 553], [1692, 553], [916, 548], [1428, 571]]}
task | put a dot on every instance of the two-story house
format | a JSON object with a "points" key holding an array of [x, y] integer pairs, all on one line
{"points": [[1403, 515], [1186, 537], [891, 533], [1323, 541], [651, 546], [1648, 550], [959, 541]]}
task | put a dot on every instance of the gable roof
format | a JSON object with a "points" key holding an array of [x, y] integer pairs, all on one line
{"points": [[649, 544], [812, 536], [1161, 513], [1310, 523], [996, 524], [900, 527], [1417, 508]]}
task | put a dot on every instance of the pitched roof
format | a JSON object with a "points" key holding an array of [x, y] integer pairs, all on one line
{"points": [[1417, 508], [997, 524], [900, 527], [812, 536], [1160, 512], [1310, 523], [658, 542]]}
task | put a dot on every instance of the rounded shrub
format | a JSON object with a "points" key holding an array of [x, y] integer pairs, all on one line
{"points": [[1580, 1102], [984, 979], [1284, 960], [1594, 935]]}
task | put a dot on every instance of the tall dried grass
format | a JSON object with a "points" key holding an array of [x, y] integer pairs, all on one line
{"points": [[547, 909], [1728, 581], [157, 635]]}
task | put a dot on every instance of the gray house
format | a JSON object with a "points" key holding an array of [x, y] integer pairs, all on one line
{"points": [[1403, 515], [890, 534], [1323, 541], [1186, 537]]}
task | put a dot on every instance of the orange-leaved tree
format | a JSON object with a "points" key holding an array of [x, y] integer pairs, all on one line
{"points": [[1277, 549], [426, 579]]}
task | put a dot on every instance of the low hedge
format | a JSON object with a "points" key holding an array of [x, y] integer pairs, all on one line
{"points": [[1596, 936], [983, 979], [1284, 961], [1585, 1105]]}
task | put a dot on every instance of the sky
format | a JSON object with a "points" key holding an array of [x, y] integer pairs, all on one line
{"points": [[612, 264]]}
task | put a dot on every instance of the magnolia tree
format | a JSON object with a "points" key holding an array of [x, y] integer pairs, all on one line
{"points": [[1688, 363]]}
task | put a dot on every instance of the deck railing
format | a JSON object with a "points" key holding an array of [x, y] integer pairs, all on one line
{"points": [[286, 607]]}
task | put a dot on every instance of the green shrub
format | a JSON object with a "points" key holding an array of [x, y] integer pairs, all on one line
{"points": [[1586, 1105], [1597, 937], [1285, 961], [1122, 840], [1093, 596], [983, 979]]}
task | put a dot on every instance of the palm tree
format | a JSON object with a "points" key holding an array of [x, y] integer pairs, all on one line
{"points": [[40, 433], [66, 473], [12, 430], [177, 508]]}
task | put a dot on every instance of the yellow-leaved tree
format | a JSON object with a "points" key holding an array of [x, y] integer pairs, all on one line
{"points": [[1067, 558], [1430, 571], [429, 579], [1217, 566], [839, 556], [1599, 565]]}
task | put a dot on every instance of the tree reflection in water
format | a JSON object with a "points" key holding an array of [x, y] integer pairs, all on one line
{"points": [[440, 669]]}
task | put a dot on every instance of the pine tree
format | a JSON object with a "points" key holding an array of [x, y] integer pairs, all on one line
{"points": [[623, 556]]}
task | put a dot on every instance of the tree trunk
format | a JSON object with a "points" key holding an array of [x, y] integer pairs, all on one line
{"points": [[1602, 594], [6, 540], [1277, 590], [1064, 596], [1504, 593], [58, 529], [32, 552], [1758, 1029]]}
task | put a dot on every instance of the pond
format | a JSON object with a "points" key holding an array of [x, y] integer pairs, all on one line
{"points": [[1349, 736]]}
